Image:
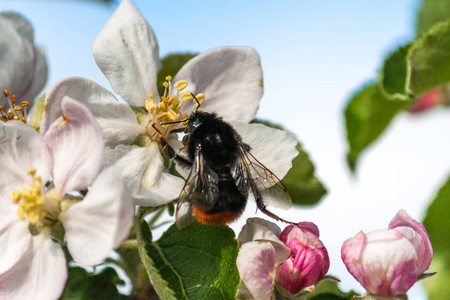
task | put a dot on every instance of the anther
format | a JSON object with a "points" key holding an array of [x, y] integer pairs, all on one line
{"points": [[5, 92], [168, 78], [201, 98], [186, 97], [15, 196], [180, 85]]}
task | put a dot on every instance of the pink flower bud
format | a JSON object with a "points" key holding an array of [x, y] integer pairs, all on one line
{"points": [[387, 262], [308, 261], [427, 100]]}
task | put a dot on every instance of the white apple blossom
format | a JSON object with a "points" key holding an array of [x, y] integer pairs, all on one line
{"points": [[40, 172], [24, 67], [229, 80]]}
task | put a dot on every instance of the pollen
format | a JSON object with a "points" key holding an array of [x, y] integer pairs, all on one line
{"points": [[14, 112], [180, 85], [166, 115], [31, 201]]}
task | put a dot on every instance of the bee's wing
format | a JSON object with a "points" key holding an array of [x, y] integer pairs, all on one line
{"points": [[251, 175], [202, 186]]}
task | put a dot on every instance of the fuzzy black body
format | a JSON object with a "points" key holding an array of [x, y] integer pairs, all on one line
{"points": [[219, 144], [223, 173]]}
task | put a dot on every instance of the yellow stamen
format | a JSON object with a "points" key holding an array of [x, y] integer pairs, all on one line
{"points": [[15, 196], [166, 84], [168, 78], [172, 115], [151, 96], [33, 200], [201, 98], [180, 85], [5, 92], [186, 97], [31, 171]]}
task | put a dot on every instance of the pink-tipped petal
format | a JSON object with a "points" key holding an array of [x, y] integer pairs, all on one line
{"points": [[258, 229], [40, 274], [384, 261], [14, 236], [117, 120], [75, 143], [127, 52], [101, 221], [300, 271], [21, 148], [231, 79], [255, 262], [351, 252], [425, 248]]}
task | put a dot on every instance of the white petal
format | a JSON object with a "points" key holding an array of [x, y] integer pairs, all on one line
{"points": [[231, 79], [146, 176], [257, 229], [75, 143], [118, 121], [100, 222], [255, 262], [14, 236], [21, 148], [40, 274], [127, 52], [274, 148], [39, 78], [16, 55]]}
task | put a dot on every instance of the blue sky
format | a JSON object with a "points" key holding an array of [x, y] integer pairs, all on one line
{"points": [[315, 54]]}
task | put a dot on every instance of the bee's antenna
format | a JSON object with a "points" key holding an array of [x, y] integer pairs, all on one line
{"points": [[198, 102]]}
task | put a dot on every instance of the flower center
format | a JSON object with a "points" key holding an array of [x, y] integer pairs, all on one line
{"points": [[31, 201], [36, 204], [14, 112], [168, 110]]}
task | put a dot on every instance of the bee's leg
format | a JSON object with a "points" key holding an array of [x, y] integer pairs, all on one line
{"points": [[262, 207], [170, 152]]}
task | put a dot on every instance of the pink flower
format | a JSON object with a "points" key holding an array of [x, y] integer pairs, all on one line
{"points": [[43, 172], [294, 259], [427, 100], [258, 256], [387, 262], [308, 262]]}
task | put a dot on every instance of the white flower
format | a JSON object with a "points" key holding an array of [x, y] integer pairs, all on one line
{"points": [[127, 52], [32, 266], [23, 69]]}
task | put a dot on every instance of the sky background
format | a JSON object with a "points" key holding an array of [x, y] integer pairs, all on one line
{"points": [[315, 55]]}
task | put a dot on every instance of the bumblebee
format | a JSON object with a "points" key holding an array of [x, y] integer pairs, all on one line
{"points": [[223, 173]]}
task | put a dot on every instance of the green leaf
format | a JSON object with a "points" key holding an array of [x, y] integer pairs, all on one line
{"points": [[170, 65], [196, 262], [328, 289], [429, 60], [437, 224], [393, 74], [432, 12], [302, 184], [367, 115], [82, 285]]}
